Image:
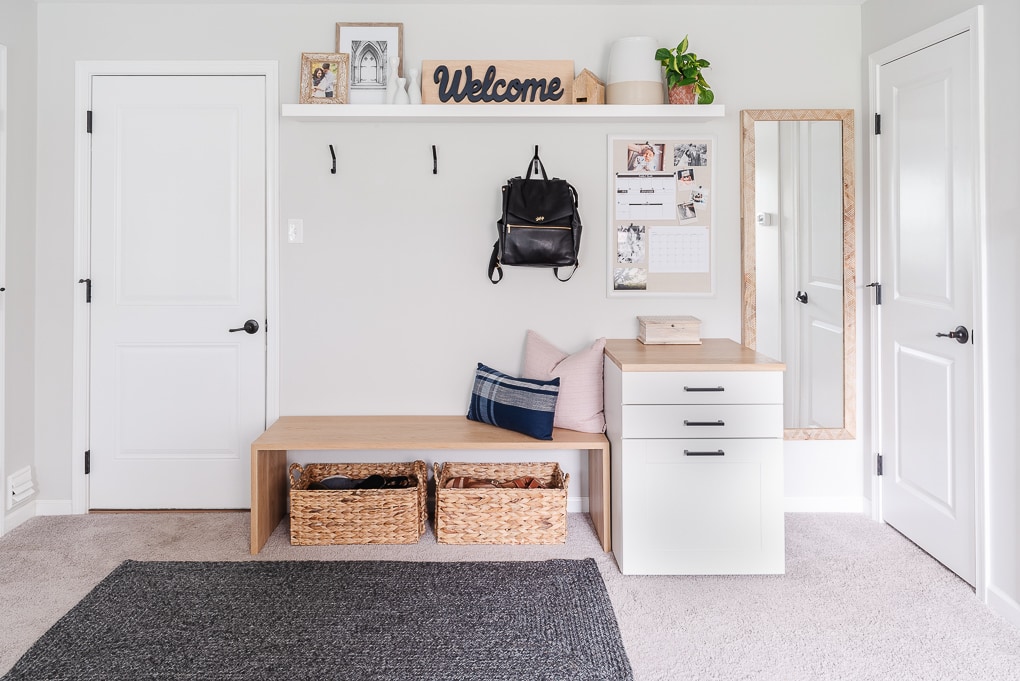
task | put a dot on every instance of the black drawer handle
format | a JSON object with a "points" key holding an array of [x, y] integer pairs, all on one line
{"points": [[718, 452], [718, 389], [720, 422]]}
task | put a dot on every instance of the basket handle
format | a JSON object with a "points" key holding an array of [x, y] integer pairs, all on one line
{"points": [[566, 481], [435, 472], [295, 466]]}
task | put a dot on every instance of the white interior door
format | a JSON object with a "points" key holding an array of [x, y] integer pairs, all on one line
{"points": [[927, 236], [3, 269], [178, 224]]}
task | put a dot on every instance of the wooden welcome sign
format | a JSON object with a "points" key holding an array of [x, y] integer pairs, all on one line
{"points": [[497, 82]]}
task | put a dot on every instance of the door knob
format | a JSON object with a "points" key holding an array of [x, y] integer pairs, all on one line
{"points": [[959, 333], [250, 326], [802, 297]]}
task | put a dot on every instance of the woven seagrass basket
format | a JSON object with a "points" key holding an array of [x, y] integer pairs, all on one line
{"points": [[501, 515], [356, 516]]}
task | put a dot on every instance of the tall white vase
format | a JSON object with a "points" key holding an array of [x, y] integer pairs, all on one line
{"points": [[401, 96], [391, 80], [414, 86]]}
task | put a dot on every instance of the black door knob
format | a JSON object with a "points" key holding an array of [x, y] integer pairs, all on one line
{"points": [[250, 326], [802, 297], [960, 333]]}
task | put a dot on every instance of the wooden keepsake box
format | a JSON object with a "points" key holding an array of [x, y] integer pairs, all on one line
{"points": [[683, 330]]}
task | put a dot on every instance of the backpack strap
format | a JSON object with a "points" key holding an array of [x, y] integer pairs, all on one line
{"points": [[494, 264]]}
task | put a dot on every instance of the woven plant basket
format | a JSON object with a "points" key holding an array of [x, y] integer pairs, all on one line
{"points": [[501, 515], [356, 516]]}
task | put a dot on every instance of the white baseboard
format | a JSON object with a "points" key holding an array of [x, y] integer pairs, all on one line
{"points": [[826, 505], [54, 507], [577, 504], [1004, 604], [19, 515]]}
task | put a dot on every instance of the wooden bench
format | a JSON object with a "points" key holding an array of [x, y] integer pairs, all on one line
{"points": [[269, 480]]}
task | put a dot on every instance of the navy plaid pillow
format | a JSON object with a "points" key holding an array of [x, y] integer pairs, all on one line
{"points": [[522, 404]]}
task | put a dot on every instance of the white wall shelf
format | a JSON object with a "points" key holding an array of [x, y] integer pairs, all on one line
{"points": [[502, 112]]}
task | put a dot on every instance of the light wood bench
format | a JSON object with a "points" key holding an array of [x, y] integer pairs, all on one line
{"points": [[269, 480]]}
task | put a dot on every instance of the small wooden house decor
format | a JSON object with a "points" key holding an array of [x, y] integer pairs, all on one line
{"points": [[588, 89]]}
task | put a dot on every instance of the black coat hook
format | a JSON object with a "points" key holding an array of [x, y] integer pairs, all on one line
{"points": [[333, 154], [435, 161]]}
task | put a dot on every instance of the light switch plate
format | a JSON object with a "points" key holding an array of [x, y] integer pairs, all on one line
{"points": [[295, 231]]}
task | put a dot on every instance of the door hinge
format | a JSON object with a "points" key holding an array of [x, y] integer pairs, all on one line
{"points": [[88, 461], [88, 122], [878, 464], [88, 289], [878, 291], [878, 124]]}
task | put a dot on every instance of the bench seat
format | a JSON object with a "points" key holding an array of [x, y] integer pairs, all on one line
{"points": [[269, 480]]}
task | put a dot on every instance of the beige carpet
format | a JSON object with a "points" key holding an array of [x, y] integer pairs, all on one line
{"points": [[858, 600]]}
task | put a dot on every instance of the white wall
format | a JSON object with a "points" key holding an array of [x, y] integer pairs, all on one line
{"points": [[884, 23], [386, 307], [18, 33]]}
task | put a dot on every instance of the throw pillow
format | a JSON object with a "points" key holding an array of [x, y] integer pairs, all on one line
{"points": [[526, 406], [580, 405]]}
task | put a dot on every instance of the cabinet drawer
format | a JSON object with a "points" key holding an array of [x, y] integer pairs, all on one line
{"points": [[702, 420], [703, 387], [720, 514]]}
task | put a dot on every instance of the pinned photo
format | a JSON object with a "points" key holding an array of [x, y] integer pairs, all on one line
{"points": [[645, 158], [630, 244], [686, 211], [630, 279], [685, 176], [690, 154], [699, 196]]}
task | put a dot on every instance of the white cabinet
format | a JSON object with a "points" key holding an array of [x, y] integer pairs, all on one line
{"points": [[697, 458]]}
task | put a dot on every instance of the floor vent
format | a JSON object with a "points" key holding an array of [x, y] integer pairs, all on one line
{"points": [[20, 486]]}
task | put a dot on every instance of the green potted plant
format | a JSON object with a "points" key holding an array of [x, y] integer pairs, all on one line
{"points": [[685, 82]]}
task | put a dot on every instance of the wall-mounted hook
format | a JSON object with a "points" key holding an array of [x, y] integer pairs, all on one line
{"points": [[435, 161], [333, 154]]}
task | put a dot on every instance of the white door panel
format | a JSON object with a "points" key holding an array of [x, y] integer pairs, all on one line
{"points": [[926, 262], [177, 260]]}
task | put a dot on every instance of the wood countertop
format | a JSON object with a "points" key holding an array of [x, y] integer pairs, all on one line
{"points": [[713, 354]]}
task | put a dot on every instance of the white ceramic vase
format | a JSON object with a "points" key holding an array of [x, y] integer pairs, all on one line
{"points": [[391, 80], [401, 96], [635, 77], [414, 86]]}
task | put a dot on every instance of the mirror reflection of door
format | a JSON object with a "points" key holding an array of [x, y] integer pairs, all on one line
{"points": [[799, 258]]}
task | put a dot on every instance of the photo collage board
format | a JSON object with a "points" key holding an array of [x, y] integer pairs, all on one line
{"points": [[660, 215]]}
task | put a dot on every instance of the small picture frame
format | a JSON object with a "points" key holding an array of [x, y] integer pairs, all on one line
{"points": [[372, 47], [324, 78], [645, 158]]}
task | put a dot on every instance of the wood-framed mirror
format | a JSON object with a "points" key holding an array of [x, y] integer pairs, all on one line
{"points": [[798, 261]]}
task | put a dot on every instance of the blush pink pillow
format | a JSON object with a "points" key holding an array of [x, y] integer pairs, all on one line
{"points": [[580, 404]]}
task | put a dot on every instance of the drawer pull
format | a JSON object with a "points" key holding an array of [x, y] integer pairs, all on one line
{"points": [[718, 452], [717, 389], [720, 422]]}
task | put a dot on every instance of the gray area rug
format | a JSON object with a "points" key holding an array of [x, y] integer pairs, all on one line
{"points": [[337, 619]]}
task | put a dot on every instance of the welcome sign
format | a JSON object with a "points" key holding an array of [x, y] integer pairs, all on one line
{"points": [[497, 82]]}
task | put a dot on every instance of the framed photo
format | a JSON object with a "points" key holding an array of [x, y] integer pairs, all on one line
{"points": [[324, 78], [375, 49], [645, 157]]}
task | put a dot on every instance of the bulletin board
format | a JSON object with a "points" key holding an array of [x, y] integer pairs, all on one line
{"points": [[661, 235]]}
